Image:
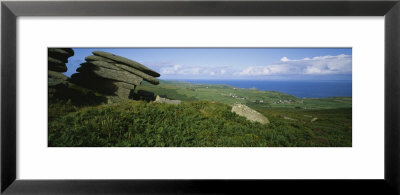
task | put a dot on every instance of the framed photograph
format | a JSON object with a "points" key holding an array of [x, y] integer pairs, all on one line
{"points": [[199, 97]]}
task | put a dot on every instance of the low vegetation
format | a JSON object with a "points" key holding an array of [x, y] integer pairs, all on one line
{"points": [[204, 119]]}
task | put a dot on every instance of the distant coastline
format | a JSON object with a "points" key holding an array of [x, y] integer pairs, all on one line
{"points": [[300, 89]]}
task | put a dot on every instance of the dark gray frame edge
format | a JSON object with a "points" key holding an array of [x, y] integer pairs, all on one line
{"points": [[11, 10]]}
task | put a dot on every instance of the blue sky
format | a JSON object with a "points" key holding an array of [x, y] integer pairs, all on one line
{"points": [[235, 63]]}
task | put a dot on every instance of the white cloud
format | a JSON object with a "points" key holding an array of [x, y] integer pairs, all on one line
{"points": [[190, 71], [265, 70], [340, 64], [179, 70], [319, 65], [171, 70], [284, 59]]}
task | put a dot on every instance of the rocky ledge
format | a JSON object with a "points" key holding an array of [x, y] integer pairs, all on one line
{"points": [[112, 74], [57, 59]]}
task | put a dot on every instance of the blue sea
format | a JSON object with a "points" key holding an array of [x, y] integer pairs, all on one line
{"points": [[301, 89]]}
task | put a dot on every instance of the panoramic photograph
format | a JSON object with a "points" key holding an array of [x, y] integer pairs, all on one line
{"points": [[199, 97]]}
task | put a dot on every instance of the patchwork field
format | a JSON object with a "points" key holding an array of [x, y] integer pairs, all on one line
{"points": [[253, 98]]}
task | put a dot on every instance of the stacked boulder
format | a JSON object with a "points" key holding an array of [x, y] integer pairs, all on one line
{"points": [[57, 59], [112, 75]]}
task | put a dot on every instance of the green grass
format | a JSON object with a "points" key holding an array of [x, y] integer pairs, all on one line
{"points": [[81, 117], [192, 124]]}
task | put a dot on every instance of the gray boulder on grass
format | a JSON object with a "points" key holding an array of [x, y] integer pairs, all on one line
{"points": [[167, 101], [249, 114]]}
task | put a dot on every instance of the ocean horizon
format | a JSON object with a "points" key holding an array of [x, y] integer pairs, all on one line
{"points": [[300, 89]]}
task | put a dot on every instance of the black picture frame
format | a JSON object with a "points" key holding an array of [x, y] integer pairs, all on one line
{"points": [[10, 10]]}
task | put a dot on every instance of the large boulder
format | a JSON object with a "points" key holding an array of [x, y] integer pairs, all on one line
{"points": [[100, 64], [120, 67], [57, 57], [167, 101], [127, 61], [69, 50], [249, 114], [61, 54], [63, 51], [139, 73], [124, 93], [56, 65], [98, 58], [56, 78], [105, 86], [57, 82], [94, 82], [112, 74]]}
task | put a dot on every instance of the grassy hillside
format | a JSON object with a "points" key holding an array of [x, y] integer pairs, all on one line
{"points": [[81, 117], [193, 123], [229, 95]]}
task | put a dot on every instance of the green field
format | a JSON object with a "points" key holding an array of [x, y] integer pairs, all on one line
{"points": [[81, 117], [229, 95]]}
